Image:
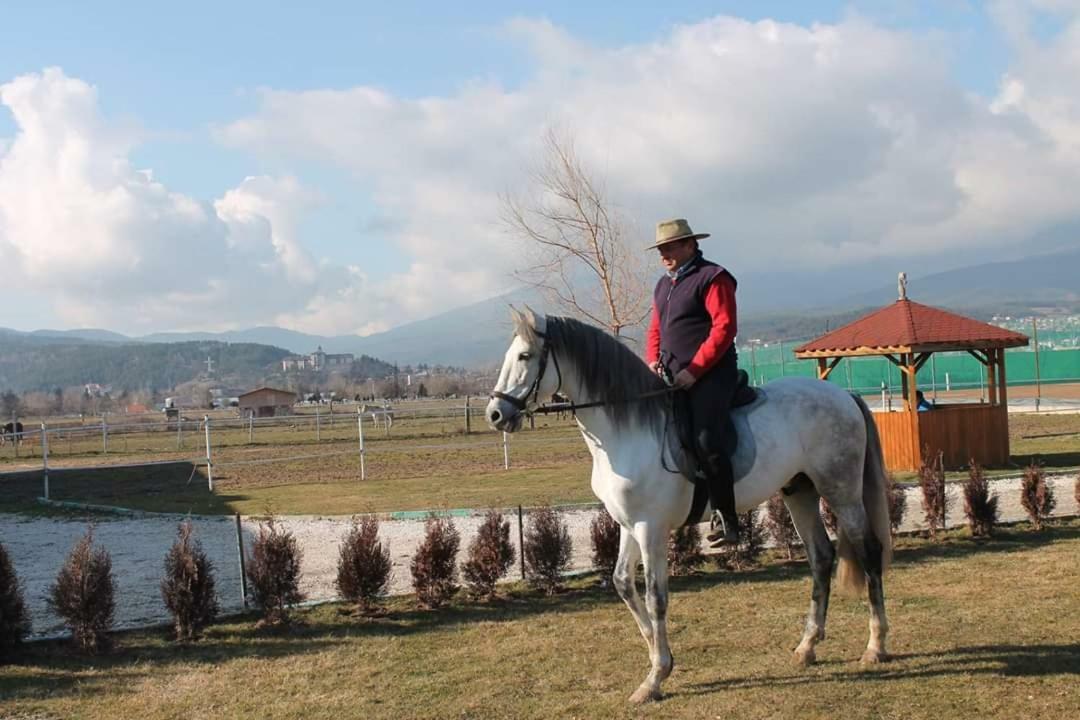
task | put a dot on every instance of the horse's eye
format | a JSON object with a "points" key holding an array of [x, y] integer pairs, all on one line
{"points": [[525, 357]]}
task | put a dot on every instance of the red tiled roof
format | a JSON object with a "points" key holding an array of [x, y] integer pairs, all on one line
{"points": [[909, 324]]}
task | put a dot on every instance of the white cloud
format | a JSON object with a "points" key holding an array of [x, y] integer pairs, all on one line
{"points": [[111, 246], [796, 146]]}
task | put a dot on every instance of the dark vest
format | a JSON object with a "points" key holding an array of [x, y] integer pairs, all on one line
{"points": [[684, 321]]}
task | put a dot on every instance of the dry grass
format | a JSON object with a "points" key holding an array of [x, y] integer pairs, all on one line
{"points": [[549, 464], [955, 609]]}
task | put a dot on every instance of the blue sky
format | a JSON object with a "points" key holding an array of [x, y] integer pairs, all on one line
{"points": [[178, 78]]}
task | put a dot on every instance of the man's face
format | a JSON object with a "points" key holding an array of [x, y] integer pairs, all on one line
{"points": [[674, 254]]}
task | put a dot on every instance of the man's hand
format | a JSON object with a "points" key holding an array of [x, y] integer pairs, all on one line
{"points": [[685, 380], [655, 367]]}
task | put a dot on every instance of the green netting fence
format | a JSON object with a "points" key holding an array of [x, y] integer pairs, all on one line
{"points": [[944, 371]]}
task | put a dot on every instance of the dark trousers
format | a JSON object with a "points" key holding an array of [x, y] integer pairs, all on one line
{"points": [[707, 406]]}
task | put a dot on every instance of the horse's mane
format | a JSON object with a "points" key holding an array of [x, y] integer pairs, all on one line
{"points": [[609, 371]]}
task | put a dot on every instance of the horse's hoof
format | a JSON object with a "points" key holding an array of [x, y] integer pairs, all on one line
{"points": [[805, 658], [873, 657], [645, 694]]}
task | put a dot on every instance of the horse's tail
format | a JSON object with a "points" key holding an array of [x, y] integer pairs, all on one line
{"points": [[850, 574]]}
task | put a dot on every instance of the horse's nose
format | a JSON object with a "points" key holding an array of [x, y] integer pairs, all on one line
{"points": [[494, 416]]}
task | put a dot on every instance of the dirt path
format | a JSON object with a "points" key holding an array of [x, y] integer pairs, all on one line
{"points": [[38, 547]]}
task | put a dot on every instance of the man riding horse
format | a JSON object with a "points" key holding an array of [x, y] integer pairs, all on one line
{"points": [[691, 344]]}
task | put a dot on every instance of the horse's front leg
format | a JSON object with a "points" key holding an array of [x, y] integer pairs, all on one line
{"points": [[654, 543], [625, 581]]}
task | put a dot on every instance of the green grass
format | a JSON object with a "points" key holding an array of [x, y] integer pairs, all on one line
{"points": [[980, 629]]}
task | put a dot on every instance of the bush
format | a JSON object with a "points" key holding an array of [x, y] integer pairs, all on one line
{"points": [[547, 549], [932, 484], [781, 528], [980, 507], [828, 517], [604, 532], [84, 594], [363, 568], [684, 550], [897, 503], [434, 567], [1036, 496], [14, 620], [188, 585], [490, 555], [273, 571], [751, 543]]}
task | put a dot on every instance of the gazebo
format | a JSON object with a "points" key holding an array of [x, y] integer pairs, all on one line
{"points": [[907, 334]]}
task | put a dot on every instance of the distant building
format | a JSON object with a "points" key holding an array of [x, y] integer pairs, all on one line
{"points": [[317, 360], [266, 402]]}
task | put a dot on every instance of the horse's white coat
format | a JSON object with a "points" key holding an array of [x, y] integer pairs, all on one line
{"points": [[803, 427]]}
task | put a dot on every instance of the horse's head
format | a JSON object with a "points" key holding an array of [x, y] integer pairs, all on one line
{"points": [[523, 379]]}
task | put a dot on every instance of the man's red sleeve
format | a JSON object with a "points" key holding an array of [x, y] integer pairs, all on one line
{"points": [[720, 302], [652, 338]]}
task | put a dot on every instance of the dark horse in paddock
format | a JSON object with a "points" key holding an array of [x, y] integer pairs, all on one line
{"points": [[11, 432]]}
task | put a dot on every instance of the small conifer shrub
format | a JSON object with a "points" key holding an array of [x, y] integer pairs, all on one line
{"points": [[188, 585], [828, 517], [434, 566], [684, 550], [547, 549], [604, 533], [780, 526], [14, 618], [932, 484], [490, 555], [1036, 495], [273, 571], [980, 507], [751, 543], [364, 565], [897, 504], [84, 594]]}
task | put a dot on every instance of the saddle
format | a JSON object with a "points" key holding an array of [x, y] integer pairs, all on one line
{"points": [[686, 450]]}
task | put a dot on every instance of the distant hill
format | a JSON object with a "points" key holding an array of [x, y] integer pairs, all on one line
{"points": [[772, 306]]}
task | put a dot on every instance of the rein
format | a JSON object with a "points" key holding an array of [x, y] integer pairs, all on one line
{"points": [[522, 403]]}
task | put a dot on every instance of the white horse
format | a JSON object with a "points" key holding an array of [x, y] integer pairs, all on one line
{"points": [[802, 435], [379, 413]]}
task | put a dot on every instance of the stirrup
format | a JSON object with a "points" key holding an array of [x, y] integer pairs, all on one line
{"points": [[721, 534]]}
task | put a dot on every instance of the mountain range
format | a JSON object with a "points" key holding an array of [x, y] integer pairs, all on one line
{"points": [[770, 306]]}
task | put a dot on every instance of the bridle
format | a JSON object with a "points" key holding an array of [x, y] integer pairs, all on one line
{"points": [[522, 403]]}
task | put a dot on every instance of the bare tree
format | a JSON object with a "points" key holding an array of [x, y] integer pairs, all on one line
{"points": [[576, 242]]}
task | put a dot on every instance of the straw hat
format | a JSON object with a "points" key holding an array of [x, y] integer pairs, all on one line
{"points": [[675, 230]]}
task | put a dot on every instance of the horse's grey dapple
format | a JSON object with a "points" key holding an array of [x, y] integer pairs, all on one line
{"points": [[804, 435]]}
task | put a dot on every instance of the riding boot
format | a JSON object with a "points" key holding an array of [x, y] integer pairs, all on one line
{"points": [[724, 527]]}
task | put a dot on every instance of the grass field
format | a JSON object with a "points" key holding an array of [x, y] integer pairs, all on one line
{"points": [[986, 629], [420, 465]]}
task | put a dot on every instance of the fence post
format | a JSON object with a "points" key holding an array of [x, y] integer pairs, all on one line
{"points": [[360, 434], [104, 435], [251, 426], [1038, 379], [468, 420], [318, 425], [506, 451], [209, 462], [240, 552], [45, 458], [521, 542], [179, 432]]}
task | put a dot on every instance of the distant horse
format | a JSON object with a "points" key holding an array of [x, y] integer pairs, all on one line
{"points": [[805, 436], [11, 432], [379, 413]]}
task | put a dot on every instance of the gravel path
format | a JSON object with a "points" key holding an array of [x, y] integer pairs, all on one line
{"points": [[38, 547]]}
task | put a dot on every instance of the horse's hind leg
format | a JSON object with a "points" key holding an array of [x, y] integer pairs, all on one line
{"points": [[803, 506], [860, 549]]}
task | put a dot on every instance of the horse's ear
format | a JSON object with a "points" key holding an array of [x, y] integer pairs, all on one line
{"points": [[536, 321]]}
